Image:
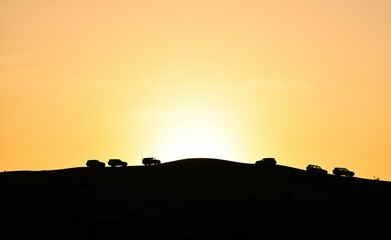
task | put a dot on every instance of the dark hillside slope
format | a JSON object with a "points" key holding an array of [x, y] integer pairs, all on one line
{"points": [[192, 199]]}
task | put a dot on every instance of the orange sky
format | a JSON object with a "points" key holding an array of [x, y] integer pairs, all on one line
{"points": [[301, 81]]}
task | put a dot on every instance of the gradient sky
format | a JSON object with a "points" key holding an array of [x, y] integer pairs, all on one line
{"points": [[301, 81]]}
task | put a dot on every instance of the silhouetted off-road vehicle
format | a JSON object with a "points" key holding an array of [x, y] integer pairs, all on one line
{"points": [[311, 168], [266, 162], [150, 161], [93, 163], [117, 162], [340, 171]]}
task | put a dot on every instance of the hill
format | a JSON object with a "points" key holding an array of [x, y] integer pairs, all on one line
{"points": [[192, 199]]}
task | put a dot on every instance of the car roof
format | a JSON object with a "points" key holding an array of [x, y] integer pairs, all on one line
{"points": [[268, 158], [313, 165]]}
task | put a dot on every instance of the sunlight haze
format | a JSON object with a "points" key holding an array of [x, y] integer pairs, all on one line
{"points": [[302, 81]]}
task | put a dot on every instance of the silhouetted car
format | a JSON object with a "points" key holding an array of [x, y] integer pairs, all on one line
{"points": [[312, 168], [340, 171], [266, 162], [93, 163], [117, 162], [150, 161]]}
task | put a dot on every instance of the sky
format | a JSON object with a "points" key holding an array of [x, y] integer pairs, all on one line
{"points": [[305, 82]]}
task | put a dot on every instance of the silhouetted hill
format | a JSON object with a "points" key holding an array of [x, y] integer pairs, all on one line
{"points": [[192, 199]]}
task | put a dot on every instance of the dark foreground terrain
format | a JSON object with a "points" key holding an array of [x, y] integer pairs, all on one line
{"points": [[192, 199]]}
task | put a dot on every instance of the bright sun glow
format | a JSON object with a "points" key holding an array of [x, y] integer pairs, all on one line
{"points": [[197, 139], [193, 136], [190, 120]]}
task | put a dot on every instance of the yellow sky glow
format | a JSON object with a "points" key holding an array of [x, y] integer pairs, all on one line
{"points": [[305, 82]]}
